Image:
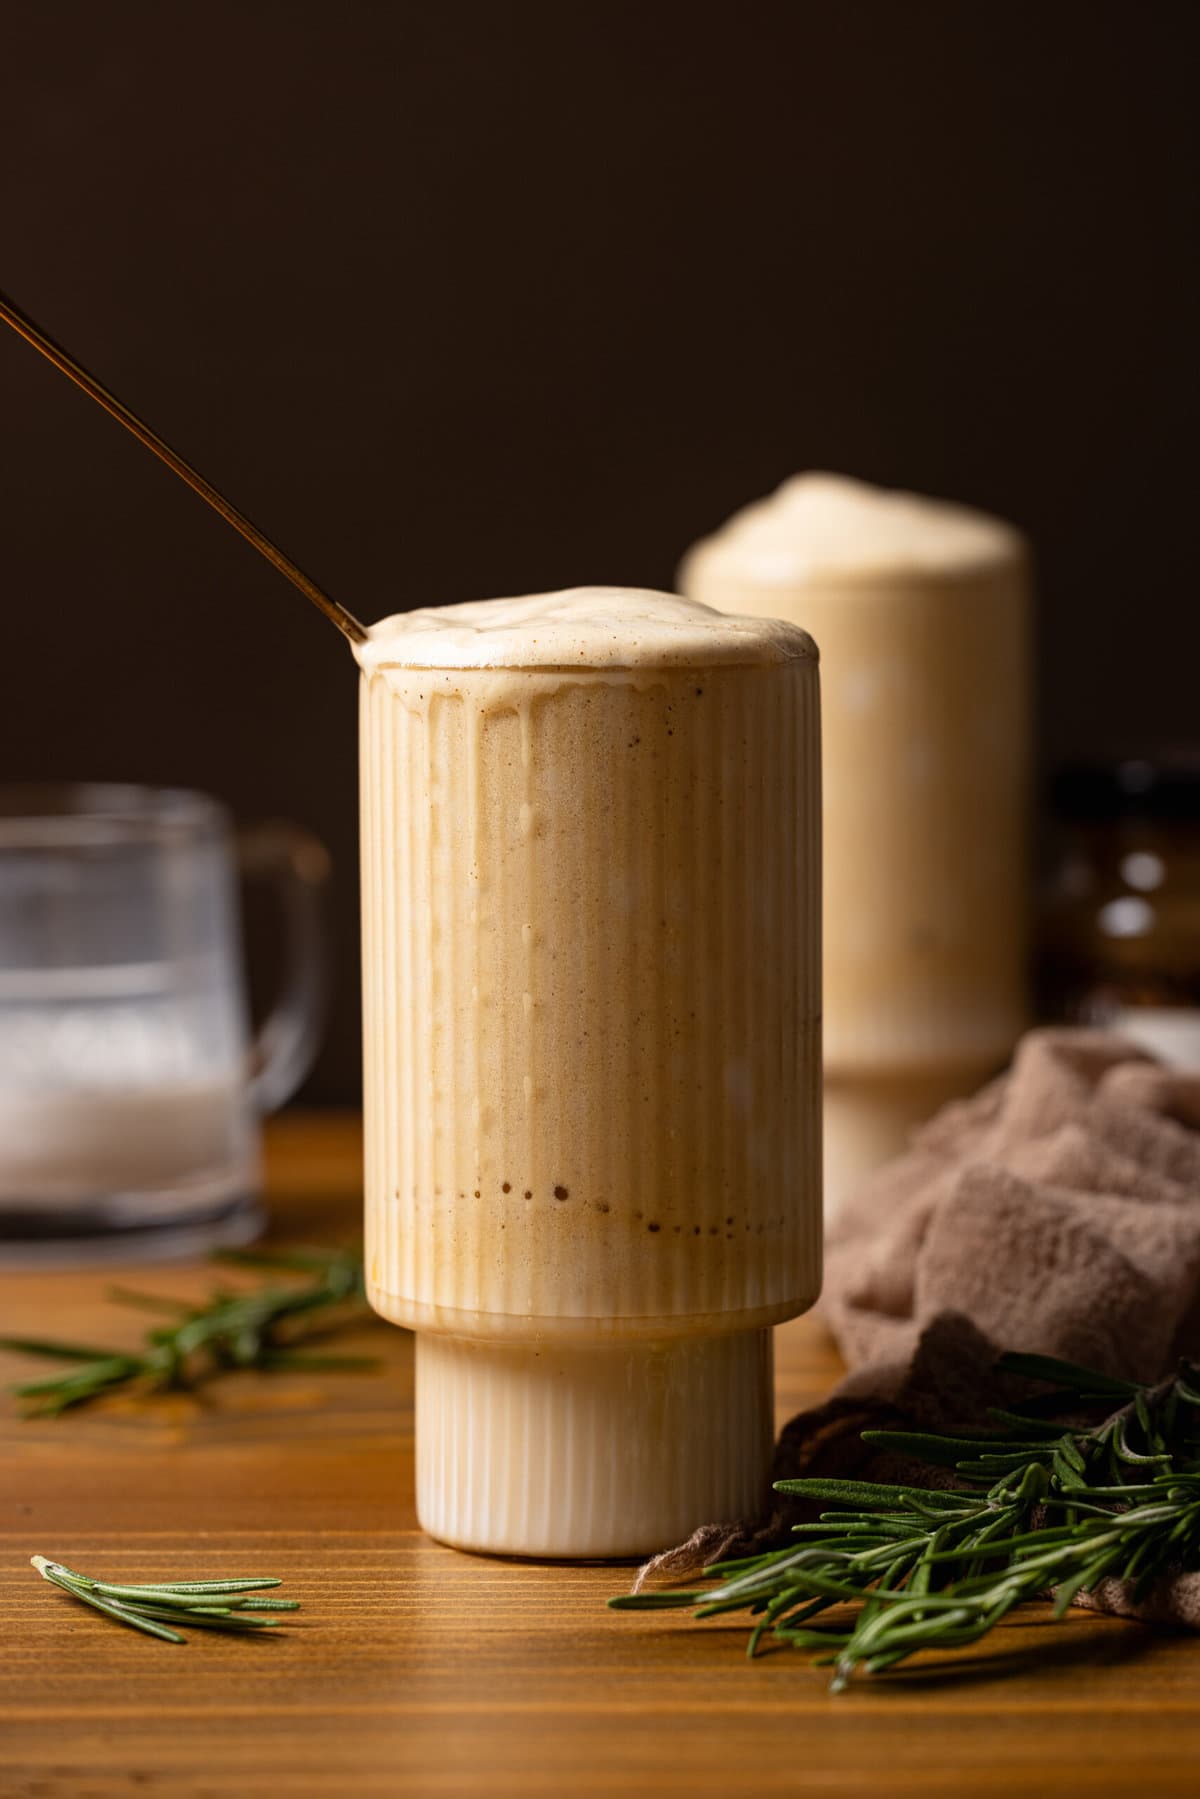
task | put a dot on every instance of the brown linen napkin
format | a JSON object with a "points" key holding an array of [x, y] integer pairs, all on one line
{"points": [[1058, 1211]]}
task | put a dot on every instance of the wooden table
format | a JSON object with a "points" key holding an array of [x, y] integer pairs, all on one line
{"points": [[415, 1669]]}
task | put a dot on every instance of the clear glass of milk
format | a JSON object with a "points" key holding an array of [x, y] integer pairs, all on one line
{"points": [[130, 1086]]}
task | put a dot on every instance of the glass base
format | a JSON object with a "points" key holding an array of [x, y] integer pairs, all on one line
{"points": [[122, 1228], [561, 1450]]}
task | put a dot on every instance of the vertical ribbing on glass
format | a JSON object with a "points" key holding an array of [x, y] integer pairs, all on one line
{"points": [[591, 1452], [591, 975], [925, 694]]}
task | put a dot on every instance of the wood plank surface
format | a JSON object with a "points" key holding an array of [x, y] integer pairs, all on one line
{"points": [[416, 1669]]}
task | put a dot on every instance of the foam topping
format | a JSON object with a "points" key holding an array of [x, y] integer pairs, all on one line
{"points": [[583, 627], [819, 525]]}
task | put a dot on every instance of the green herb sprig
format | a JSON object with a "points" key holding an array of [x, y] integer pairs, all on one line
{"points": [[265, 1327], [1040, 1508], [157, 1609]]}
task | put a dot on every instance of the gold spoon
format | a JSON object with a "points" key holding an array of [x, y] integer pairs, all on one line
{"points": [[62, 359]]}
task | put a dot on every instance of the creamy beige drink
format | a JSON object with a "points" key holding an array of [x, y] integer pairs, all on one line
{"points": [[920, 610], [592, 1060]]}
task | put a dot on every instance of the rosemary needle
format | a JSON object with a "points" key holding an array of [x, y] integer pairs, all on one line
{"points": [[162, 1608], [266, 1327], [1040, 1508]]}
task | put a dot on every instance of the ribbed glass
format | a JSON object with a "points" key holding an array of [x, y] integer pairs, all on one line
{"points": [[591, 954], [925, 701]]}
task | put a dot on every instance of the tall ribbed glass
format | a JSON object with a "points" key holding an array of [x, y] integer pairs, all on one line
{"points": [[591, 899], [921, 611]]}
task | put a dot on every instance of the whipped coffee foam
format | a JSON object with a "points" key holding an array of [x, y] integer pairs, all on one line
{"points": [[584, 628], [828, 527]]}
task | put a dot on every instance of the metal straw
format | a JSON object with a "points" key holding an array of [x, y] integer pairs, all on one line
{"points": [[62, 359]]}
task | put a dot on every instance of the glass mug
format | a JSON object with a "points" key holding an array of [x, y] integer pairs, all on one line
{"points": [[130, 1086]]}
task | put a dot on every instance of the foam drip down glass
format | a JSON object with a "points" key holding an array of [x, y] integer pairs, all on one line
{"points": [[591, 900], [130, 1090]]}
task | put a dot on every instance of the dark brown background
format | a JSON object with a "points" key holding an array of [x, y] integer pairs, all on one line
{"points": [[466, 299]]}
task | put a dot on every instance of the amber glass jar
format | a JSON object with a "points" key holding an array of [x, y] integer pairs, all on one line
{"points": [[1119, 936]]}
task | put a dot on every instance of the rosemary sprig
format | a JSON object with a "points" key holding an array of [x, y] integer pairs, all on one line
{"points": [[262, 1327], [160, 1607], [1041, 1508]]}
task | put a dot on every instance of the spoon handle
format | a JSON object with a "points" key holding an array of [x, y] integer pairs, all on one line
{"points": [[75, 371]]}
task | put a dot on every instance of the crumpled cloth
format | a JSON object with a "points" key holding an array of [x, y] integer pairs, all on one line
{"points": [[1058, 1212]]}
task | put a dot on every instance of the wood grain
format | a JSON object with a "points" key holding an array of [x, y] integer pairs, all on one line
{"points": [[416, 1669]]}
